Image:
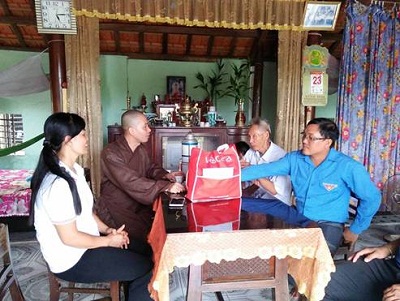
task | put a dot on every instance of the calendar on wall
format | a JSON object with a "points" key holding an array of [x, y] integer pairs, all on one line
{"points": [[315, 78], [317, 83]]}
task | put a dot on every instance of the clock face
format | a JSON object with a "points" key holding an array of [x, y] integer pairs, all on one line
{"points": [[55, 16]]}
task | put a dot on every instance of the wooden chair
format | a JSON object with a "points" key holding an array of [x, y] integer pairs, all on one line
{"points": [[345, 249], [71, 288], [253, 273], [8, 280]]}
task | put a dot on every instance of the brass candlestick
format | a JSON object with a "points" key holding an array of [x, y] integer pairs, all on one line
{"points": [[128, 102]]}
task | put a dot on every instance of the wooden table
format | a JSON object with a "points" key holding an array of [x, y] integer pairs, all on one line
{"points": [[308, 257]]}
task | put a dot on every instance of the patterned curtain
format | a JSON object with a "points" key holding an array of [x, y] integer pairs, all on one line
{"points": [[369, 89], [290, 119], [236, 14], [83, 72]]}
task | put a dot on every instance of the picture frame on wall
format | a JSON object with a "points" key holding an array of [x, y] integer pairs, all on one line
{"points": [[320, 15], [176, 86]]}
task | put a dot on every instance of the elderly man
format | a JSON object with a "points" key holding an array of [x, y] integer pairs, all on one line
{"points": [[263, 150], [131, 182], [323, 179]]}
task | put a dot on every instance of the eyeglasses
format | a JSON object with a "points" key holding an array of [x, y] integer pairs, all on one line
{"points": [[311, 138]]}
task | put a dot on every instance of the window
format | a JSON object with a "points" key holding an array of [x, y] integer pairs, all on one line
{"points": [[11, 131]]}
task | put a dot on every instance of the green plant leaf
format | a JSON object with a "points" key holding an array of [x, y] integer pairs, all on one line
{"points": [[211, 83], [239, 81]]}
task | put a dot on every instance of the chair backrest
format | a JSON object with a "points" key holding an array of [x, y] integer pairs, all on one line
{"points": [[391, 194], [8, 279], [353, 204]]}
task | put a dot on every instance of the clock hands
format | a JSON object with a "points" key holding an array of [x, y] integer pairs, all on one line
{"points": [[61, 18], [58, 15]]}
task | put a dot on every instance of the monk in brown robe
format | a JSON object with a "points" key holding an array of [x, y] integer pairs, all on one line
{"points": [[131, 182]]}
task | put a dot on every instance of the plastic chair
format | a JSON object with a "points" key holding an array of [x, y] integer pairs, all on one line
{"points": [[8, 280]]}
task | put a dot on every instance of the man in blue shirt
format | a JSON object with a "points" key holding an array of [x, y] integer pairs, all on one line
{"points": [[368, 276], [322, 180]]}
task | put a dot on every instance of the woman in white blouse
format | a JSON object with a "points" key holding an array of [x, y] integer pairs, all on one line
{"points": [[75, 243]]}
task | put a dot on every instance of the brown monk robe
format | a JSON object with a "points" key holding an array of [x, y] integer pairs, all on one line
{"points": [[131, 182]]}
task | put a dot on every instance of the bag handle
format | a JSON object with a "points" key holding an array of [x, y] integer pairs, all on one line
{"points": [[222, 148]]}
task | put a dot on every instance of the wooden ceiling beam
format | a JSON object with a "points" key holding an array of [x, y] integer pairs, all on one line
{"points": [[177, 29], [117, 38], [168, 57], [258, 46], [19, 36], [334, 47], [13, 23], [188, 44], [232, 46], [28, 49], [330, 36], [25, 16], [165, 43], [210, 45], [19, 20], [5, 7], [141, 42]]}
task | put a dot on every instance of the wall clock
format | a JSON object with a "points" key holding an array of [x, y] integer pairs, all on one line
{"points": [[55, 16]]}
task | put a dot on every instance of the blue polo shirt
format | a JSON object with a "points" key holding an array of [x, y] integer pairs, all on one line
{"points": [[323, 192]]}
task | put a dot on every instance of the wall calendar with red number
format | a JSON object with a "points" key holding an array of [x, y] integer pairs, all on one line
{"points": [[315, 78]]}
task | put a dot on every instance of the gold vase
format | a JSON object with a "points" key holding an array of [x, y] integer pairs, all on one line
{"points": [[240, 119]]}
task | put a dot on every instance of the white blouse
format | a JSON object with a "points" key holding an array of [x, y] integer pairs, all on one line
{"points": [[54, 206]]}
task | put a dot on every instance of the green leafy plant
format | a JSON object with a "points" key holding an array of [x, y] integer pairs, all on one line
{"points": [[239, 82], [211, 84]]}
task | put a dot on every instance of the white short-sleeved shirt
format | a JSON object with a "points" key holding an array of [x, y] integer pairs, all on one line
{"points": [[282, 183], [54, 205]]}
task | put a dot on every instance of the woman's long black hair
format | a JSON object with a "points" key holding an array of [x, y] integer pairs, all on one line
{"points": [[56, 128]]}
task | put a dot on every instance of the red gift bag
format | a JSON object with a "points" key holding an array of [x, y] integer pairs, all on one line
{"points": [[213, 175], [214, 216]]}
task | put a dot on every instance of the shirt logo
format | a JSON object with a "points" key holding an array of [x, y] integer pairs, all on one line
{"points": [[329, 187]]}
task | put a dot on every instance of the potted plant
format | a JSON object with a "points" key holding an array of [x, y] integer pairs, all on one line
{"points": [[211, 84], [239, 88]]}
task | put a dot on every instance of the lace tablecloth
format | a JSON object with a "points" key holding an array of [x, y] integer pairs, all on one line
{"points": [[15, 195], [309, 259]]}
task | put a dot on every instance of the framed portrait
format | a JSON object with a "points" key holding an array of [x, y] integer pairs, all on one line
{"points": [[320, 15], [176, 86], [162, 110]]}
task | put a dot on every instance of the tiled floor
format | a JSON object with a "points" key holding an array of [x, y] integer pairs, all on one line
{"points": [[35, 281], [381, 226]]}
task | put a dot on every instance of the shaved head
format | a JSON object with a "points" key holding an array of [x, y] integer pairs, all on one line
{"points": [[130, 119]]}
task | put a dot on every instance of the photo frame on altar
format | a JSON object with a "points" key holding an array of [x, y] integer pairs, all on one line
{"points": [[176, 87], [162, 110], [320, 15]]}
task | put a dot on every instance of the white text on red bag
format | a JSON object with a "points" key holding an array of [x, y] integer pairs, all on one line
{"points": [[214, 175]]}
